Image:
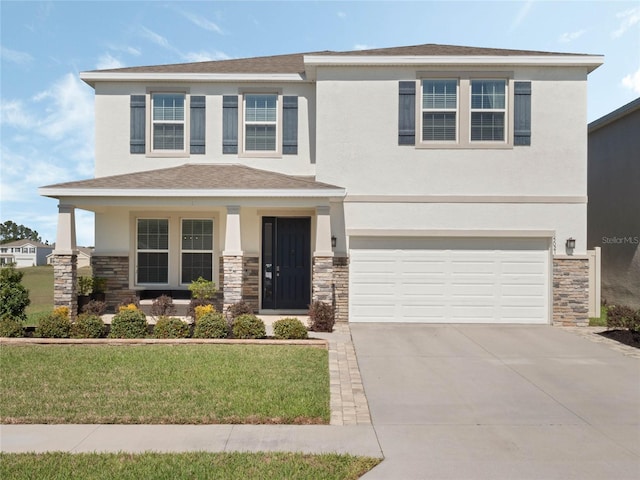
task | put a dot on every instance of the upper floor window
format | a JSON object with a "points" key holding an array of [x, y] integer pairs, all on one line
{"points": [[168, 120], [439, 110], [488, 110], [260, 122]]}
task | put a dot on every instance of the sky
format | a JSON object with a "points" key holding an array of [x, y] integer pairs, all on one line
{"points": [[46, 111]]}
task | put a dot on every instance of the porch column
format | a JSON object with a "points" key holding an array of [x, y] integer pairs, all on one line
{"points": [[232, 259], [65, 261], [322, 281]]}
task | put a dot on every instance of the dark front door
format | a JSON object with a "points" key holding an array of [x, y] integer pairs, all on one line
{"points": [[286, 263]]}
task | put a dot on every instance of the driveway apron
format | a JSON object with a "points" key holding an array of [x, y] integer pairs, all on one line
{"points": [[498, 402]]}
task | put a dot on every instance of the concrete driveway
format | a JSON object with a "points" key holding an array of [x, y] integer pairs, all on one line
{"points": [[499, 402]]}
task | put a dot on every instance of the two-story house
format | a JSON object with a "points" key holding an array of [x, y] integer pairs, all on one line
{"points": [[428, 183], [24, 253]]}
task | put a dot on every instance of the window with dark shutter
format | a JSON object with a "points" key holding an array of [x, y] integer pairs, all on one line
{"points": [[137, 135]]}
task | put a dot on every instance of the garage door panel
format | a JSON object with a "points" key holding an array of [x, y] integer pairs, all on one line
{"points": [[474, 280]]}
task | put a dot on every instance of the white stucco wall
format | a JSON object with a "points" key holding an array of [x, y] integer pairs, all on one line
{"points": [[112, 110], [357, 128]]}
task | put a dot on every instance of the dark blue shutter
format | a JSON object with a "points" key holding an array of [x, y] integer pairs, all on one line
{"points": [[136, 141], [289, 125], [197, 128], [230, 124], [407, 114], [522, 113]]}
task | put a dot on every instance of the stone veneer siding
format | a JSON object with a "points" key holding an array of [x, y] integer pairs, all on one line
{"points": [[571, 291], [231, 279], [115, 269], [251, 282], [65, 277], [322, 280], [341, 288]]}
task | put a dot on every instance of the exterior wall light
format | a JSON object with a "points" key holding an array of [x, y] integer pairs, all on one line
{"points": [[334, 241], [571, 243]]}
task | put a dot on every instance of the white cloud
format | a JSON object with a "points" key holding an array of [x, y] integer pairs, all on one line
{"points": [[571, 36], [21, 58], [125, 49], [632, 81], [108, 61], [203, 56], [155, 37], [13, 113], [202, 22], [521, 15], [629, 18]]}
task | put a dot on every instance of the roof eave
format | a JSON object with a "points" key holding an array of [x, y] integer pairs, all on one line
{"points": [[591, 62], [92, 78], [57, 192]]}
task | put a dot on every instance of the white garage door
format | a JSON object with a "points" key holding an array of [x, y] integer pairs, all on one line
{"points": [[449, 280]]}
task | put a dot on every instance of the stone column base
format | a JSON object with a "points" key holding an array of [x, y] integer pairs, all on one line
{"points": [[65, 277], [571, 291], [231, 280], [322, 280]]}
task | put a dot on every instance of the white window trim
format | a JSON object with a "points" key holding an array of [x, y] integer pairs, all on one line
{"points": [[144, 250], [242, 151], [505, 110], [464, 109], [150, 122], [212, 251], [441, 110]]}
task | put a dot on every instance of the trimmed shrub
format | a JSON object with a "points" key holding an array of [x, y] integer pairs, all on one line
{"points": [[11, 327], [321, 317], [289, 329], [55, 324], [239, 308], [88, 326], [211, 325], [201, 310], [130, 300], [14, 297], [95, 307], [248, 326], [129, 323], [202, 289], [163, 306], [196, 303], [622, 317], [171, 327]]}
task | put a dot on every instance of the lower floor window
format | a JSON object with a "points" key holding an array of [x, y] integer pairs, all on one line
{"points": [[153, 267]]}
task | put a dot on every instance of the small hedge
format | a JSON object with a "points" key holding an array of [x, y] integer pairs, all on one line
{"points": [[321, 317], [94, 307], [11, 327], [129, 323], [55, 324], [622, 317], [211, 325], [88, 326], [248, 326], [289, 329], [239, 308], [163, 306], [171, 327]]}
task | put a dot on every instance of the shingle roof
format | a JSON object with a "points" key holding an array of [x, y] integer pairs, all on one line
{"points": [[199, 177], [294, 63], [21, 243]]}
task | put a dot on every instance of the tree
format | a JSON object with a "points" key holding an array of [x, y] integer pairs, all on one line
{"points": [[10, 231], [14, 297]]}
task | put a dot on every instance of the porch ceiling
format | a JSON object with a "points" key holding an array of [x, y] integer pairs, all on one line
{"points": [[196, 180]]}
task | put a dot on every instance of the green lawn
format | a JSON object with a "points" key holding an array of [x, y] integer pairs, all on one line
{"points": [[197, 465], [39, 282], [164, 384]]}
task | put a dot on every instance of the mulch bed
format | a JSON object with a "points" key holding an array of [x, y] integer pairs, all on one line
{"points": [[627, 337]]}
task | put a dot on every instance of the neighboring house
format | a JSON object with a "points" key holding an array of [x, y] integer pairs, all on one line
{"points": [[614, 202], [429, 183], [24, 253], [84, 257]]}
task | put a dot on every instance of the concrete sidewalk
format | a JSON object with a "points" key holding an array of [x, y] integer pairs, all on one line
{"points": [[350, 430]]}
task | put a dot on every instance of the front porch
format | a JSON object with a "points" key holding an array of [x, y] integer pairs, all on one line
{"points": [[143, 244]]}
